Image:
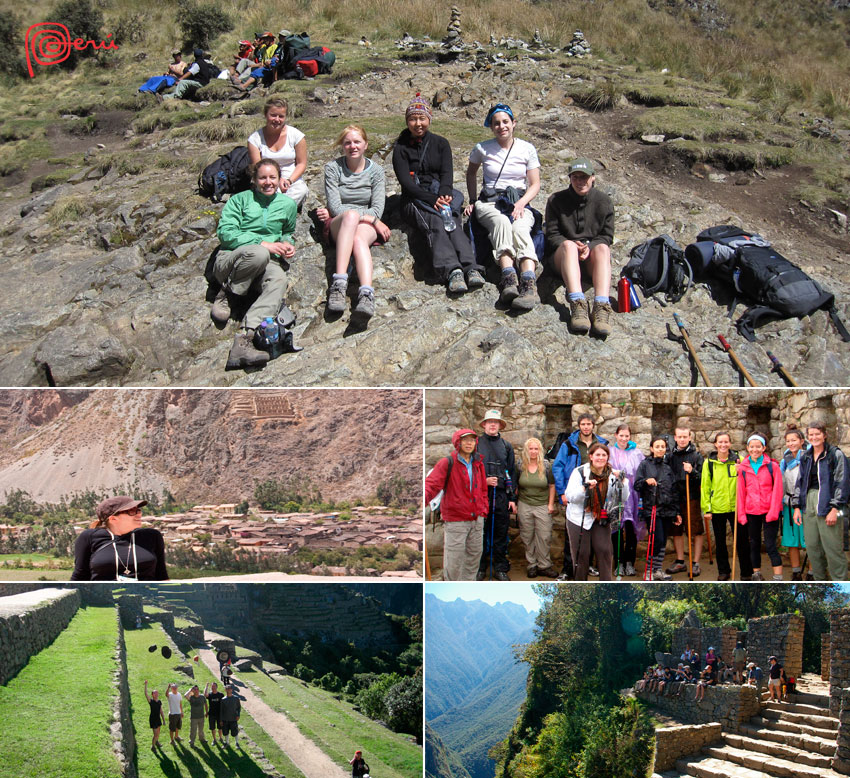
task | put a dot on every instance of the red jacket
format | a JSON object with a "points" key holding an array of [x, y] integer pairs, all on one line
{"points": [[759, 493], [460, 501]]}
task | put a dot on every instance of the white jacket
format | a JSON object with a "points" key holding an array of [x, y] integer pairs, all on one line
{"points": [[575, 495]]}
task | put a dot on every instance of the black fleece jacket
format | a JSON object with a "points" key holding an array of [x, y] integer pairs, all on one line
{"points": [[435, 166]]}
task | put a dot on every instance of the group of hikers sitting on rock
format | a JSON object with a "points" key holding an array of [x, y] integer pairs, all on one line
{"points": [[262, 62], [256, 225], [713, 671], [615, 495]]}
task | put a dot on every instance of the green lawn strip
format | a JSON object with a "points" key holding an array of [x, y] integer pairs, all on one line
{"points": [[176, 763], [338, 729], [58, 709], [181, 623]]}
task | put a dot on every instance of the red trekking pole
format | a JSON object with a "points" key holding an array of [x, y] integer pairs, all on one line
{"points": [[650, 542]]}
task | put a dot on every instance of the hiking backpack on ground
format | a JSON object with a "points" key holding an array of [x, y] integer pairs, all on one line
{"points": [[777, 288], [229, 174], [311, 62], [658, 266]]}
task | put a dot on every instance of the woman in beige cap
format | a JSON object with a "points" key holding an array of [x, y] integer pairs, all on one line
{"points": [[116, 547]]}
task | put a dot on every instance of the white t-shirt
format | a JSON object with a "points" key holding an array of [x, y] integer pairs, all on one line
{"points": [[174, 702], [284, 157], [521, 158]]}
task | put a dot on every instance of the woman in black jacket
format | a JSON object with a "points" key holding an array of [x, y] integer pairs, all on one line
{"points": [[656, 484], [423, 165], [116, 547]]}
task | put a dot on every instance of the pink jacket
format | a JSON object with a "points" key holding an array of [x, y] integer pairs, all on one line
{"points": [[759, 493]]}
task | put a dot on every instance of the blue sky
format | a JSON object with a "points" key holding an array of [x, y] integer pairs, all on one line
{"points": [[491, 593], [495, 593]]}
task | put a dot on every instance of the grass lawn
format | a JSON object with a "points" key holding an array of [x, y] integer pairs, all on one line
{"points": [[186, 762], [338, 729], [34, 574], [58, 709]]}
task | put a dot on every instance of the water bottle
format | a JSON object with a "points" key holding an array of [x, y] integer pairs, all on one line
{"points": [[448, 220], [271, 329]]}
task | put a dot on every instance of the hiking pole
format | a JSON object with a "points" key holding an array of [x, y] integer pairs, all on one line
{"points": [[688, 516], [650, 542], [492, 526], [780, 370], [427, 563], [707, 530], [739, 366], [691, 350]]}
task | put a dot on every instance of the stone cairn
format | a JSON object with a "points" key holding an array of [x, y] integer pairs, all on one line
{"points": [[453, 30], [578, 47]]}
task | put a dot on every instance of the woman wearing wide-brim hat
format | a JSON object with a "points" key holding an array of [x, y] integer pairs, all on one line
{"points": [[116, 547]]}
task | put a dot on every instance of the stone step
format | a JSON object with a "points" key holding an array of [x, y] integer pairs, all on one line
{"points": [[778, 749], [797, 740], [777, 712], [807, 698], [797, 707], [790, 726], [765, 764], [709, 767]]}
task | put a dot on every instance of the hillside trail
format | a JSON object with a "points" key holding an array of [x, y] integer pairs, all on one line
{"points": [[305, 754]]}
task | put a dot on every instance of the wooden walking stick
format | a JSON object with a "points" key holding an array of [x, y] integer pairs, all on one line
{"points": [[427, 563], [781, 371], [735, 361], [707, 530], [691, 350], [688, 514]]}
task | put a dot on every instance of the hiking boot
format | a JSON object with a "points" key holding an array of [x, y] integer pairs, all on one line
{"points": [[474, 279], [528, 296], [501, 575], [630, 569], [678, 567], [620, 571], [600, 319], [580, 316], [757, 576], [456, 284], [244, 354], [336, 295], [696, 570], [658, 575], [481, 575], [548, 572], [797, 575], [565, 577], [532, 571], [508, 287], [365, 304], [723, 577], [220, 311], [593, 571]]}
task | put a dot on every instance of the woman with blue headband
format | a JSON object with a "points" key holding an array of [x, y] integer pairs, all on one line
{"points": [[511, 182]]}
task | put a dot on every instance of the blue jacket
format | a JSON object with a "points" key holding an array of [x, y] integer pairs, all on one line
{"points": [[568, 459], [833, 480]]}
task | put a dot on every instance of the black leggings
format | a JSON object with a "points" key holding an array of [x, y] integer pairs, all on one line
{"points": [[719, 522], [771, 530]]}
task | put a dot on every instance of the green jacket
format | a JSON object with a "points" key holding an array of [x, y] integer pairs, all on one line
{"points": [[719, 484], [249, 218]]}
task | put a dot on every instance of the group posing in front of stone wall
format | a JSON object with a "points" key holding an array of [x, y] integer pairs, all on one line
{"points": [[256, 226], [615, 496]]}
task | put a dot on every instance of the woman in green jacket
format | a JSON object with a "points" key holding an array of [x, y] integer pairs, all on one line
{"points": [[255, 231], [718, 488]]}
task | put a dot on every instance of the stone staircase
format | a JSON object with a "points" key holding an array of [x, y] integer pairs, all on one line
{"points": [[794, 739]]}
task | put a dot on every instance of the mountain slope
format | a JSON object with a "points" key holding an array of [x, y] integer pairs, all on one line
{"points": [[474, 686]]}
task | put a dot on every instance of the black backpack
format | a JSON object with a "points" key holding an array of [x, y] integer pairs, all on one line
{"points": [[293, 45], [777, 288], [229, 174], [659, 266]]}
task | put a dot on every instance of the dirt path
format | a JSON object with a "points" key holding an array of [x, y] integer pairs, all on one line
{"points": [[305, 754]]}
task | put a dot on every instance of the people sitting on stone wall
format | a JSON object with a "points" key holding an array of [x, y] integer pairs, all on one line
{"points": [[430, 204], [755, 676], [503, 205], [579, 227]]}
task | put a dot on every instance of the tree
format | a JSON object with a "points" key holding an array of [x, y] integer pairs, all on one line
{"points": [[84, 21], [403, 703]]}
